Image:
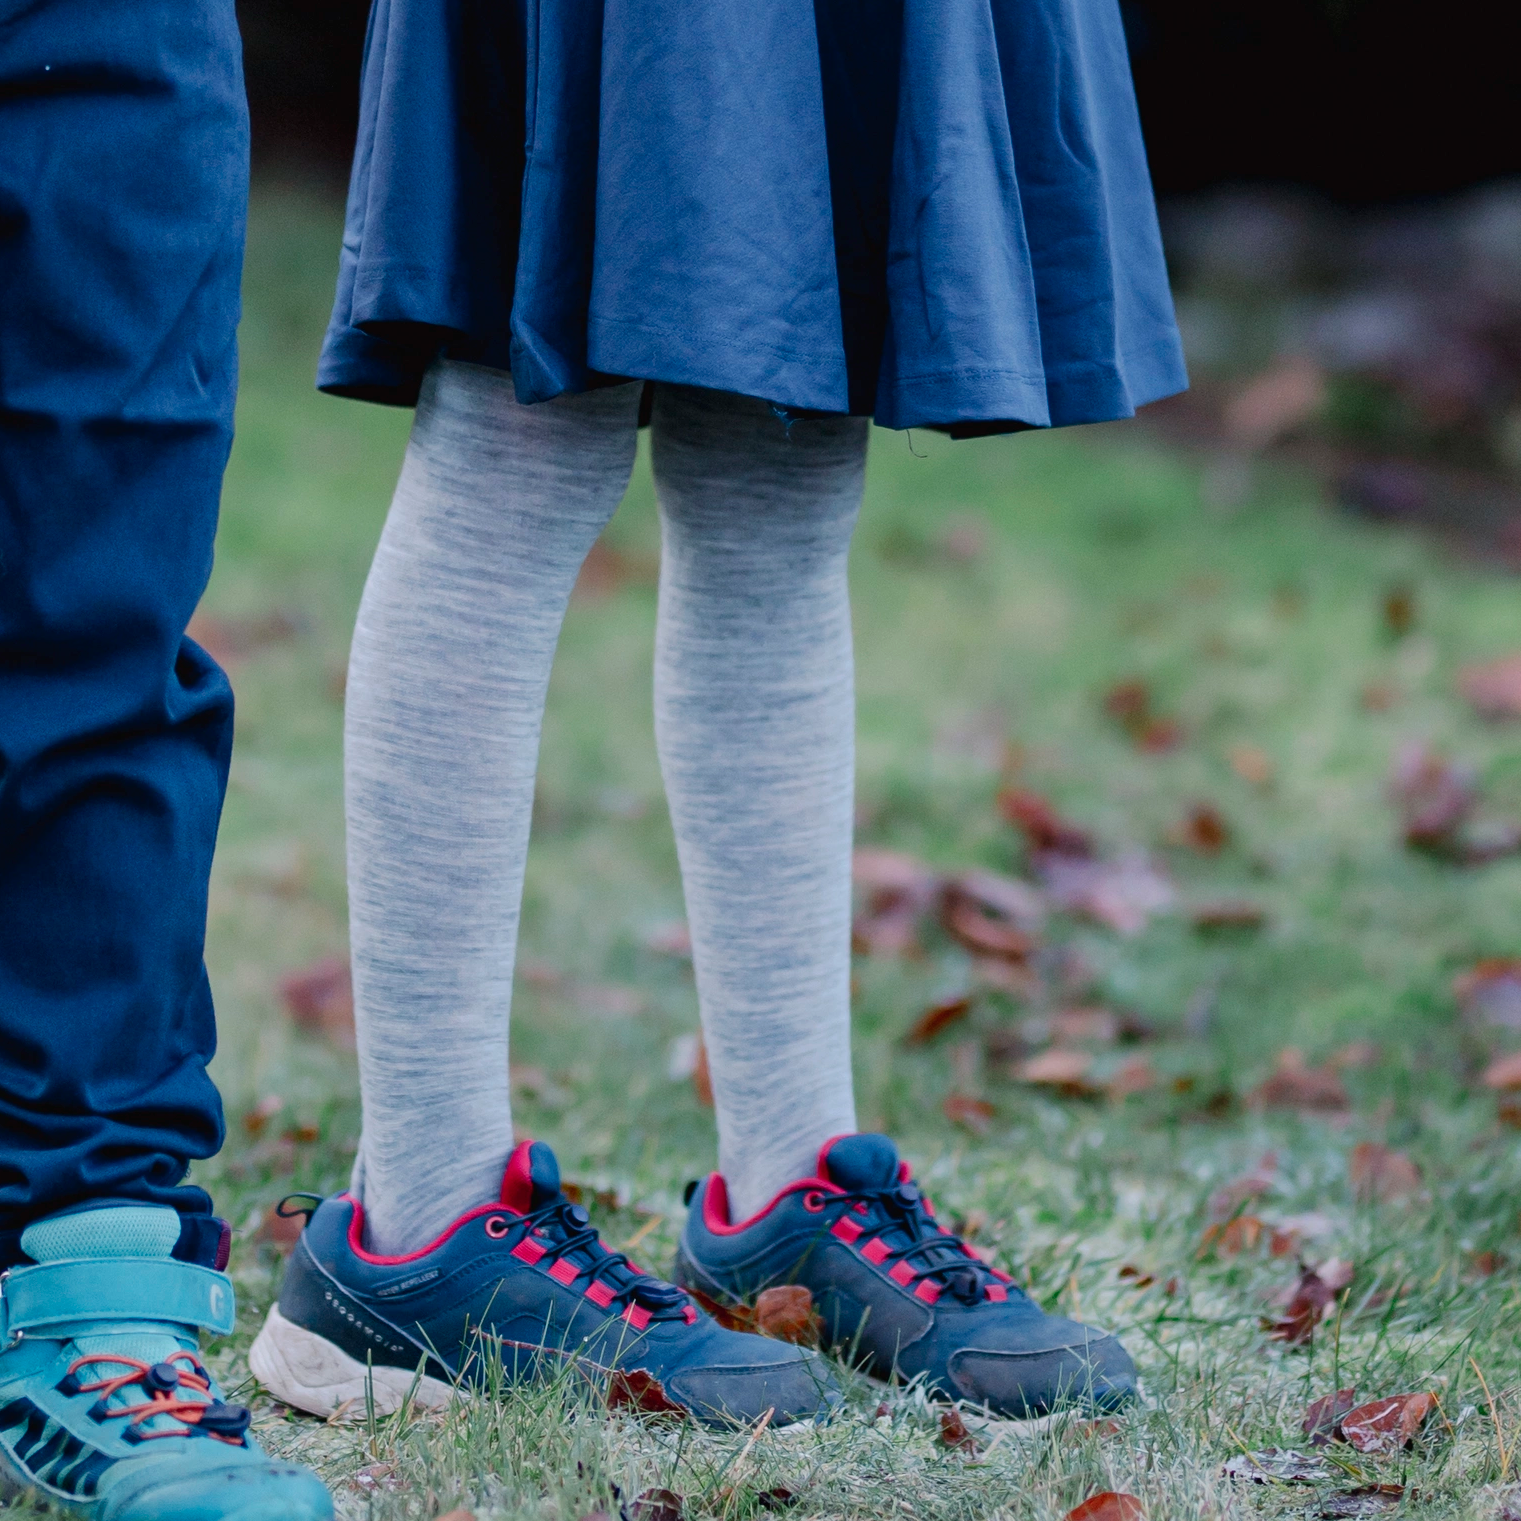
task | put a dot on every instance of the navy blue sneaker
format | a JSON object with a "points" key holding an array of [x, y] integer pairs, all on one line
{"points": [[525, 1277], [896, 1293]]}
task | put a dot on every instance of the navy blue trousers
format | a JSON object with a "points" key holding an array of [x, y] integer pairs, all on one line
{"points": [[123, 193]]}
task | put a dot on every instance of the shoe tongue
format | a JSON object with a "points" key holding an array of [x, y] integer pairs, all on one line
{"points": [[532, 1178], [109, 1230], [859, 1161]]}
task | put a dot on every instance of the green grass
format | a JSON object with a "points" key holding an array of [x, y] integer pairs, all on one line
{"points": [[1099, 559]]}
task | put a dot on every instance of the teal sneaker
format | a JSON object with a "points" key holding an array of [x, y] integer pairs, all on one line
{"points": [[105, 1406]]}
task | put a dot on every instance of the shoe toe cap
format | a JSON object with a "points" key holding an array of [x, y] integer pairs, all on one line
{"points": [[265, 1490], [799, 1387], [1084, 1368]]}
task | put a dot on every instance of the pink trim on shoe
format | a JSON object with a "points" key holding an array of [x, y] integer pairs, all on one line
{"points": [[356, 1233], [715, 1202], [517, 1180]]}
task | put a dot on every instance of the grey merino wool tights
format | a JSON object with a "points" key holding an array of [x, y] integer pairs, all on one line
{"points": [[497, 506]]}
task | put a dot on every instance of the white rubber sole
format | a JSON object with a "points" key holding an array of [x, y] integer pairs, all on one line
{"points": [[308, 1372]]}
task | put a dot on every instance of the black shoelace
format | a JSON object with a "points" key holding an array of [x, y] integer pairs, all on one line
{"points": [[944, 1257], [572, 1224]]}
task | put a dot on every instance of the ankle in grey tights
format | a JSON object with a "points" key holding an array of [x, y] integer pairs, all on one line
{"points": [[496, 508]]}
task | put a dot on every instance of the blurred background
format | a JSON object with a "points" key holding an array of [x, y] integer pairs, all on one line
{"points": [[1259, 648]]}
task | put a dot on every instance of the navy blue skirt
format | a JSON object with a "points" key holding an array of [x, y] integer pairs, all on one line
{"points": [[933, 212]]}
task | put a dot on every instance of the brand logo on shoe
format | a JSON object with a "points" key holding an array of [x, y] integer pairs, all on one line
{"points": [[218, 1300], [417, 1279], [361, 1325]]}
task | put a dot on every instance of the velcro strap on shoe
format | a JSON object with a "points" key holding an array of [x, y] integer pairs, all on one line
{"points": [[115, 1289]]}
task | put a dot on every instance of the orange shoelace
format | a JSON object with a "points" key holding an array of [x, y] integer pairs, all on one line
{"points": [[160, 1401]]}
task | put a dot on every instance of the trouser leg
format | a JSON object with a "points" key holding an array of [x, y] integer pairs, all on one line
{"points": [[123, 181]]}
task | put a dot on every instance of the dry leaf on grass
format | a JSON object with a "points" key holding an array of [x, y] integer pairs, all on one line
{"points": [[376, 1476], [1219, 914], [954, 1433], [938, 1017], [1324, 1415], [975, 1114], [657, 1505], [1232, 1237], [898, 890], [1293, 1084], [1111, 1505], [606, 570], [1277, 1465], [1487, 1264], [1274, 403], [1504, 1073], [320, 1000], [1202, 828], [1379, 1173], [280, 1231], [992, 915], [702, 1078], [637, 1389], [1136, 1075], [1129, 703], [1228, 1199], [257, 1119], [1064, 1070], [673, 938], [457, 1515], [1315, 1292], [1251, 764], [1493, 687], [1386, 1425], [786, 1312], [1489, 992], [1436, 799], [1121, 894], [1043, 828]]}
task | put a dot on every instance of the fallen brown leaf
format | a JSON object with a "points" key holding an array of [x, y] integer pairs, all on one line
{"points": [[1504, 1073], [1508, 1113], [1386, 1425], [1226, 1200], [457, 1515], [1251, 764], [1399, 610], [1436, 799], [1043, 828], [1135, 1075], [320, 1000], [898, 891], [1227, 914], [1355, 1056], [258, 1118], [1324, 1415], [1121, 894], [975, 1114], [638, 1389], [374, 1476], [1489, 992], [657, 1505], [1111, 1505], [1074, 1026], [1295, 1085], [1232, 1237], [1129, 704], [1493, 687], [606, 570], [1140, 1279], [1094, 1430], [954, 1433], [1066, 1071], [673, 938], [1379, 1173], [281, 1231], [938, 1017], [1274, 403], [1203, 829], [1378, 697], [992, 915], [1487, 1264], [1316, 1290], [786, 1313]]}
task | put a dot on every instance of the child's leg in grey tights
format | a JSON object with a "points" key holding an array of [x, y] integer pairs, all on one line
{"points": [[755, 719], [495, 510]]}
